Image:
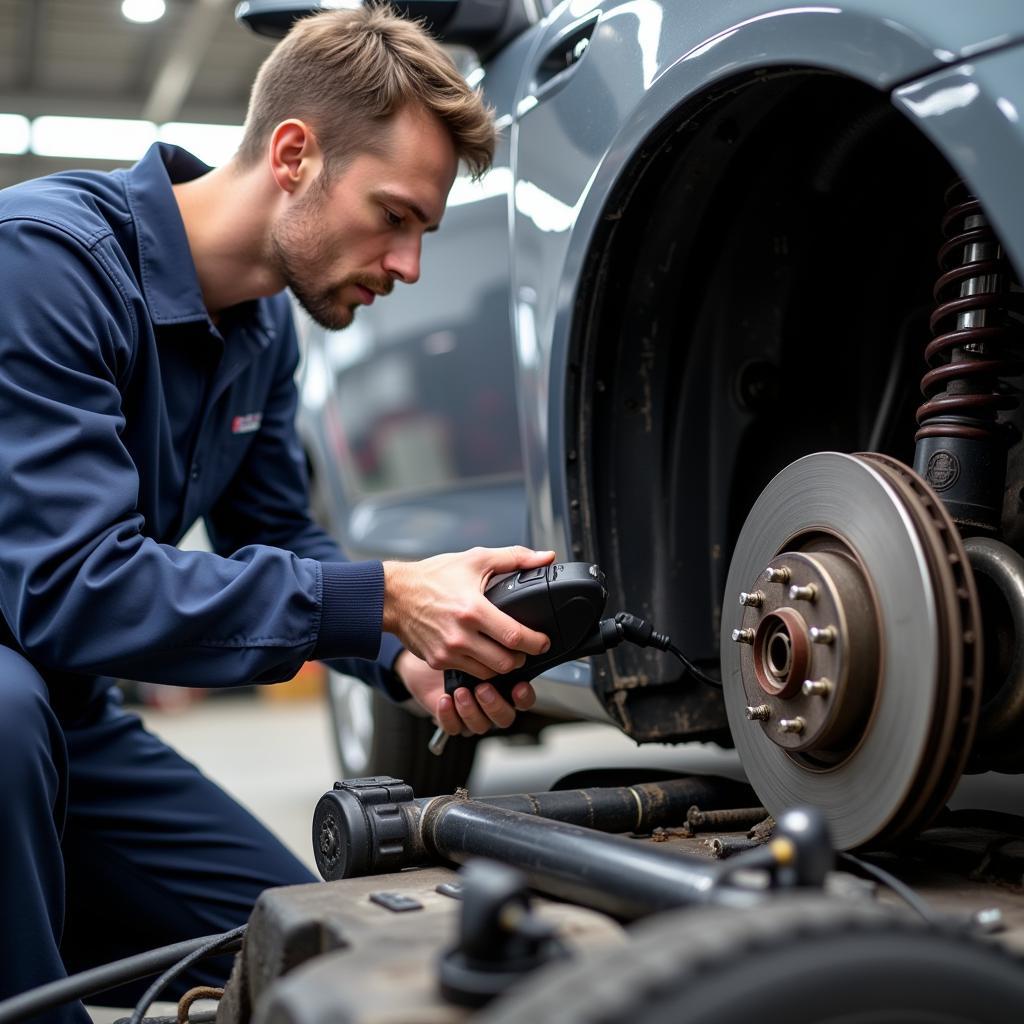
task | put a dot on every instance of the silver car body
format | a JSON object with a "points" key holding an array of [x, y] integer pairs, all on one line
{"points": [[577, 96]]}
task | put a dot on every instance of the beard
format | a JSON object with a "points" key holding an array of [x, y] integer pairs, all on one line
{"points": [[302, 254]]}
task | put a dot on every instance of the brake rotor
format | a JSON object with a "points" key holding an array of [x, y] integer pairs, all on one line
{"points": [[851, 646]]}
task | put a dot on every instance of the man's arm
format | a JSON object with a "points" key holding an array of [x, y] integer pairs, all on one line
{"points": [[82, 588]]}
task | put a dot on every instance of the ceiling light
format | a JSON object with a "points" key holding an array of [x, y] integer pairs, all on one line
{"points": [[14, 133], [214, 144], [98, 138], [143, 11]]}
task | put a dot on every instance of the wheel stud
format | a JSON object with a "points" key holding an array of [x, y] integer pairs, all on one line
{"points": [[793, 725], [816, 687], [759, 713], [743, 636], [826, 635], [808, 593], [780, 575], [752, 600]]}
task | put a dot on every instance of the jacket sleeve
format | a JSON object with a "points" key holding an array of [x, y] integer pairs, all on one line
{"points": [[267, 501], [82, 588]]}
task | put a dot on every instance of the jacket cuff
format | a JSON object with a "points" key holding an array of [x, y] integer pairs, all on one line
{"points": [[351, 608], [390, 682]]}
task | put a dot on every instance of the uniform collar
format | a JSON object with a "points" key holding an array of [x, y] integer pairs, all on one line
{"points": [[168, 275]]}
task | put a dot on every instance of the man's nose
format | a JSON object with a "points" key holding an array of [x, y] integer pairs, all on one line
{"points": [[403, 262]]}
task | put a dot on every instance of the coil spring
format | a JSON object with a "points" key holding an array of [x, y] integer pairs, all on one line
{"points": [[977, 344]]}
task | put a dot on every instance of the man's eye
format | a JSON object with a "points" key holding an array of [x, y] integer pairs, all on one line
{"points": [[392, 218]]}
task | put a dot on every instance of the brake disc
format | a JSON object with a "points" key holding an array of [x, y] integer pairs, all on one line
{"points": [[851, 646]]}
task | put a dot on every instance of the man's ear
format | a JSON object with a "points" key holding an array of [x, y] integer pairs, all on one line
{"points": [[295, 156]]}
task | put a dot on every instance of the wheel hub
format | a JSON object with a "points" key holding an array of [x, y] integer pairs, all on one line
{"points": [[811, 670], [851, 662]]}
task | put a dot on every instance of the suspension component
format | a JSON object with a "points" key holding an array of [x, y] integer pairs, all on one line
{"points": [[977, 345]]}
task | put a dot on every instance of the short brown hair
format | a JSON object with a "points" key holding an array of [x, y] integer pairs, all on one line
{"points": [[348, 72]]}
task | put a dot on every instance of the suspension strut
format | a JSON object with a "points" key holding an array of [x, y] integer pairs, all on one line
{"points": [[961, 446]]}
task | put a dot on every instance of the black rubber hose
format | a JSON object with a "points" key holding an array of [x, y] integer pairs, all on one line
{"points": [[98, 979], [217, 944]]}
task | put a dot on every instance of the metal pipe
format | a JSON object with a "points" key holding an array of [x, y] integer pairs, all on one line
{"points": [[639, 808], [617, 875], [372, 826]]}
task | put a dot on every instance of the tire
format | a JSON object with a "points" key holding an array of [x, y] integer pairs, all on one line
{"points": [[793, 960], [373, 736]]}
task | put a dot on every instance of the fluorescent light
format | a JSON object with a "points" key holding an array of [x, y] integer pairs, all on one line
{"points": [[143, 11], [214, 144], [14, 133], [97, 138]]}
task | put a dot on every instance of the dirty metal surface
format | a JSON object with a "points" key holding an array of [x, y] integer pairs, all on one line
{"points": [[956, 871], [327, 944], [326, 951]]}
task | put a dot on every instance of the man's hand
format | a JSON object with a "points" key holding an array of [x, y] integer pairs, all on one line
{"points": [[476, 712], [436, 607]]}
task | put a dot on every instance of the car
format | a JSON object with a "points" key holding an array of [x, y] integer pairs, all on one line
{"points": [[680, 330]]}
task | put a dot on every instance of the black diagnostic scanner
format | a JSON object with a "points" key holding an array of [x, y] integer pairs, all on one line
{"points": [[564, 600]]}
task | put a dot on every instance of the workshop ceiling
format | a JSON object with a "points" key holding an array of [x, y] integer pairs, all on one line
{"points": [[83, 58]]}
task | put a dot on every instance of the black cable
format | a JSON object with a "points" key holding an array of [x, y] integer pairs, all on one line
{"points": [[692, 669], [892, 882], [640, 632], [97, 979], [215, 945]]}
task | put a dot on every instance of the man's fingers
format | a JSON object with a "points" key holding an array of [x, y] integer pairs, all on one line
{"points": [[523, 696], [494, 706], [470, 713], [515, 557], [508, 632], [447, 717]]}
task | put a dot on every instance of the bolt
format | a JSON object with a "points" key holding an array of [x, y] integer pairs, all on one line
{"points": [[723, 846], [759, 713], [817, 687], [743, 636], [795, 725], [778, 575], [752, 600], [731, 820], [823, 636], [808, 593]]}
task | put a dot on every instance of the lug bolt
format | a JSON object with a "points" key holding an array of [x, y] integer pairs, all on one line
{"points": [[743, 636], [758, 713], [753, 600], [816, 687], [808, 593], [822, 636], [792, 725], [781, 575]]}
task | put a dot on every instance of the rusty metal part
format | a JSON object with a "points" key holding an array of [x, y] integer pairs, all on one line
{"points": [[722, 847], [193, 995], [880, 751], [976, 345], [734, 819], [1001, 719]]}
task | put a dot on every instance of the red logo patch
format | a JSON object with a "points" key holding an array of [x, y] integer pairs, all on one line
{"points": [[246, 424]]}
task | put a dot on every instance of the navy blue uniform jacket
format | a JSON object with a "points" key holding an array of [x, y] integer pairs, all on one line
{"points": [[125, 415]]}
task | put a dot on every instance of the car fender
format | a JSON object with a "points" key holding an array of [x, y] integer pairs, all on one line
{"points": [[576, 134]]}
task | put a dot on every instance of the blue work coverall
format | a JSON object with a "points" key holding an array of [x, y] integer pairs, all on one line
{"points": [[125, 415]]}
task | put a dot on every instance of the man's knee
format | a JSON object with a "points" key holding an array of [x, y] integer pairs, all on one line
{"points": [[26, 721]]}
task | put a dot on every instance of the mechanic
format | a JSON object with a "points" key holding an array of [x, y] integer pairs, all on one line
{"points": [[147, 355]]}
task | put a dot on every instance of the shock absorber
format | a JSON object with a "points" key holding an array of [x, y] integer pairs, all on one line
{"points": [[961, 445]]}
